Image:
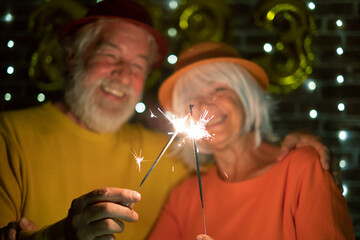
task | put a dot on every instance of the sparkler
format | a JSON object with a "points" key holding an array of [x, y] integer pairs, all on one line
{"points": [[205, 134], [195, 132], [179, 125]]}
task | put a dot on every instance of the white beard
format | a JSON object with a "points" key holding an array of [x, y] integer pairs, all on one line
{"points": [[99, 114]]}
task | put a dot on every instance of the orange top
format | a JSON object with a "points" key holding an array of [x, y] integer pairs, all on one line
{"points": [[295, 199]]}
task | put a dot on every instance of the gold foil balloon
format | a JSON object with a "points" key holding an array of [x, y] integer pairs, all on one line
{"points": [[45, 23], [291, 61], [203, 20]]}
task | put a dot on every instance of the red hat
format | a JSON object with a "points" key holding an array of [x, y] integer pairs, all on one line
{"points": [[126, 10], [202, 53]]}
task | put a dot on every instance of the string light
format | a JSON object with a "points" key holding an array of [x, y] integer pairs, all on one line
{"points": [[140, 107], [172, 59], [8, 17], [341, 107], [267, 47], [172, 32], [10, 43], [339, 51], [311, 5], [311, 85], [343, 135], [7, 97], [340, 79], [10, 70], [41, 97], [345, 190], [342, 163], [173, 4], [339, 23], [313, 113]]}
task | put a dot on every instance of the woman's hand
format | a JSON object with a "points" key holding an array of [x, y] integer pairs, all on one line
{"points": [[203, 237]]}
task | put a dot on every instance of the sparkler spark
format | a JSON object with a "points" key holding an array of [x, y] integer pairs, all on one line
{"points": [[138, 159], [194, 131], [152, 115]]}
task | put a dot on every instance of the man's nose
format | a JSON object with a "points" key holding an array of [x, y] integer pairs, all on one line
{"points": [[123, 72]]}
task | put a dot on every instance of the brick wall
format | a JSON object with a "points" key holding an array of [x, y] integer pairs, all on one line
{"points": [[248, 39]]}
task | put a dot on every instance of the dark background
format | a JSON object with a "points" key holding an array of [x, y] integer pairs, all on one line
{"points": [[37, 63]]}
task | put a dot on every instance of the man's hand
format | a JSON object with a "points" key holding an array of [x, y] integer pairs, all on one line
{"points": [[13, 228], [300, 139], [100, 214]]}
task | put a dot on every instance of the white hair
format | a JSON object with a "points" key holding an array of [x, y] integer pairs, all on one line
{"points": [[78, 44], [256, 101]]}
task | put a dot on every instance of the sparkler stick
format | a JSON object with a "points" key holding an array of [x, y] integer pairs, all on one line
{"points": [[157, 159], [179, 127], [198, 174]]}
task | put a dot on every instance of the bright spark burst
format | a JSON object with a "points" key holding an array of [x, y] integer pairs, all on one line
{"points": [[138, 159], [198, 130], [193, 130], [152, 115]]}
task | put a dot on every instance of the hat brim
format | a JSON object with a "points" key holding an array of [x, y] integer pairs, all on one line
{"points": [[167, 87], [162, 45]]}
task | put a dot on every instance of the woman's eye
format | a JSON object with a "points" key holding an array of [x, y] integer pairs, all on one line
{"points": [[219, 89]]}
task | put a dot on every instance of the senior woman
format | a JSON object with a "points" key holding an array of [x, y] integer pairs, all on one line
{"points": [[247, 193]]}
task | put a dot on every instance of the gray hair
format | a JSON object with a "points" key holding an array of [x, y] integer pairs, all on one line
{"points": [[256, 101]]}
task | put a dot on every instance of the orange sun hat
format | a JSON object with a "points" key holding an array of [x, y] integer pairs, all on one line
{"points": [[203, 53]]}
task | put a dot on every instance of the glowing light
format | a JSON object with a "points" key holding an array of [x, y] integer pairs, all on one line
{"points": [[345, 190], [8, 17], [342, 163], [279, 46], [267, 47], [10, 43], [340, 79], [339, 23], [311, 5], [270, 15], [313, 113], [172, 32], [140, 107], [7, 97], [339, 51], [10, 70], [173, 4], [343, 135], [172, 59], [198, 130], [341, 107], [41, 97], [311, 85], [152, 115], [138, 159]]}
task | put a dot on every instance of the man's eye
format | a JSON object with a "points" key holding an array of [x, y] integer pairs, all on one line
{"points": [[110, 55]]}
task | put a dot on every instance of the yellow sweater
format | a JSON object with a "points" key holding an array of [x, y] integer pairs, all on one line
{"points": [[46, 161]]}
